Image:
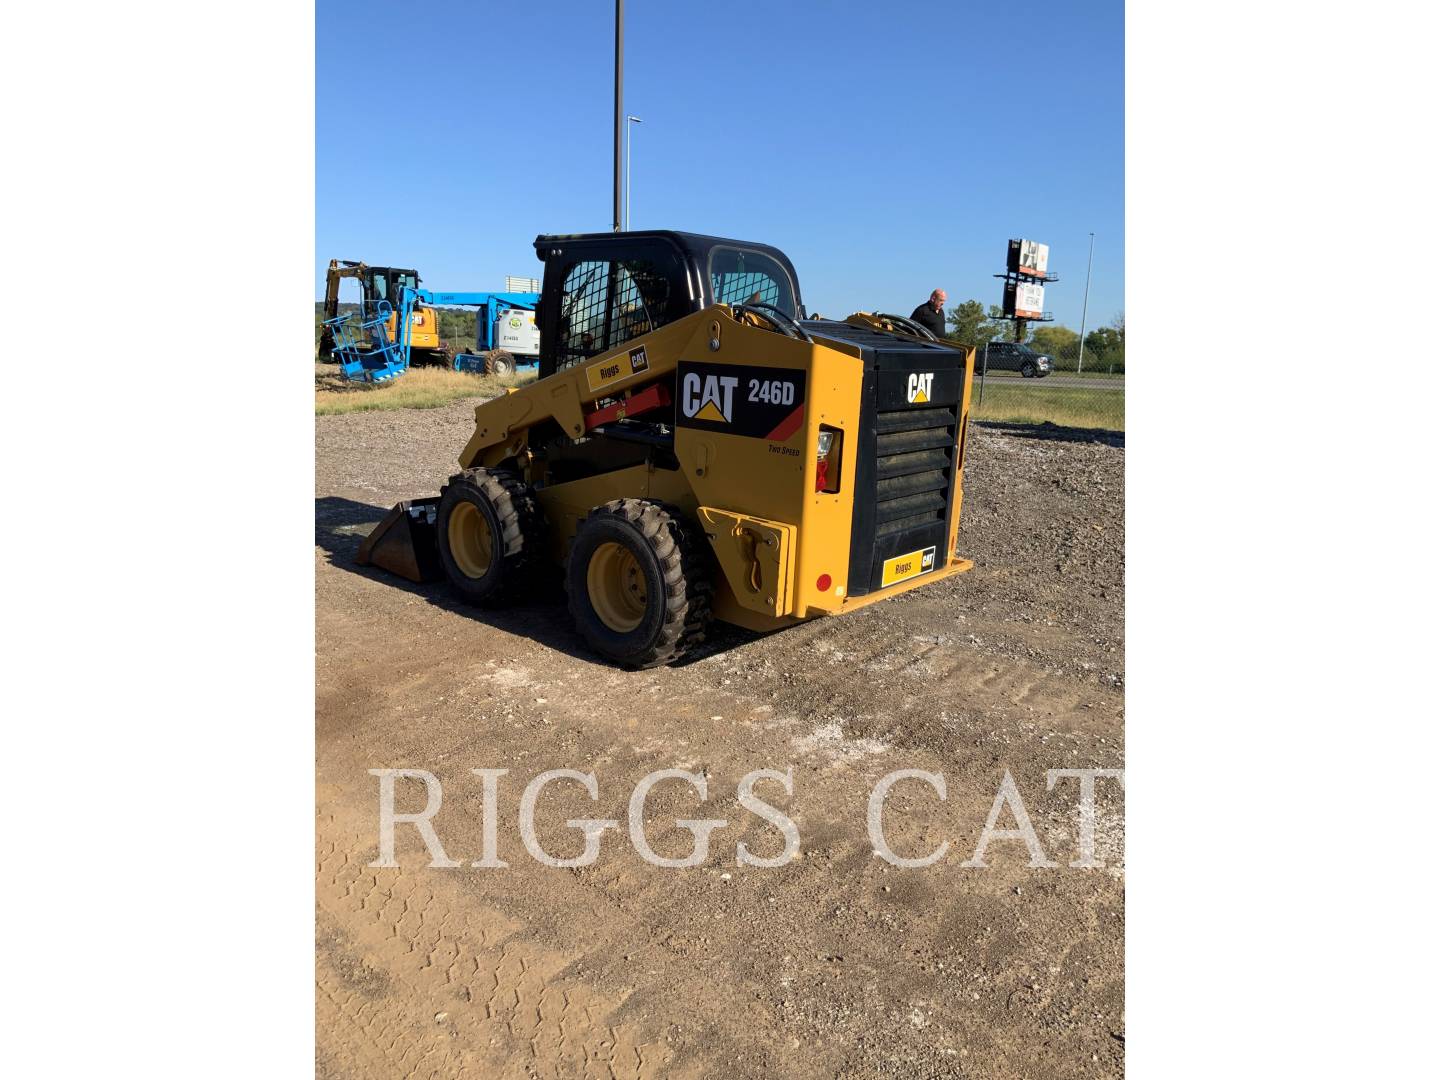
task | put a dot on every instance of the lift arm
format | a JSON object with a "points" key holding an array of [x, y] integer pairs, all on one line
{"points": [[338, 269], [623, 376], [486, 301]]}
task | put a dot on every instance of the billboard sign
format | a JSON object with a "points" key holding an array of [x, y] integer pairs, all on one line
{"points": [[1024, 300], [1028, 257]]}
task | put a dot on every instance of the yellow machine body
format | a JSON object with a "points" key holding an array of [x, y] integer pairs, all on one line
{"points": [[424, 328], [783, 548]]}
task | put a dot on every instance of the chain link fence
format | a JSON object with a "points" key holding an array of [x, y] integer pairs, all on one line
{"points": [[1024, 384]]}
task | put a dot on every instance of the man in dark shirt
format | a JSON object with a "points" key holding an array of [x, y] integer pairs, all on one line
{"points": [[931, 314]]}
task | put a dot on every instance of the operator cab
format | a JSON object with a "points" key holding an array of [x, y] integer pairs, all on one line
{"points": [[385, 283], [603, 289]]}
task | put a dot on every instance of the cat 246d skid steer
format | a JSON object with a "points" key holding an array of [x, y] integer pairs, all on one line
{"points": [[696, 448]]}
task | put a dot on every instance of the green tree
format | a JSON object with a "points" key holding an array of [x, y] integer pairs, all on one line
{"points": [[997, 327], [1107, 346], [971, 324], [1060, 343], [965, 321]]}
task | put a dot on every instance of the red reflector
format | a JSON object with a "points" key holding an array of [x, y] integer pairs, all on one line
{"points": [[823, 583], [822, 470]]}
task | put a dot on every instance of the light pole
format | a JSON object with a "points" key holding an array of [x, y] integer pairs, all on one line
{"points": [[628, 129], [1085, 306], [619, 97]]}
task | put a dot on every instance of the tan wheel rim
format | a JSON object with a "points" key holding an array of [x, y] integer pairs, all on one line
{"points": [[471, 543], [616, 582]]}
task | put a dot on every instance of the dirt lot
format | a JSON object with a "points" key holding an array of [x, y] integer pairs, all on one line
{"points": [[834, 965]]}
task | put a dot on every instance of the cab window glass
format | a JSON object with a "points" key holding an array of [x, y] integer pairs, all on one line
{"points": [[379, 290], [749, 277], [642, 300], [580, 333], [604, 304]]}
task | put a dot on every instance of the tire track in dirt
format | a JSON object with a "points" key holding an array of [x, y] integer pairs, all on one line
{"points": [[430, 982], [460, 988], [511, 1018], [835, 966]]}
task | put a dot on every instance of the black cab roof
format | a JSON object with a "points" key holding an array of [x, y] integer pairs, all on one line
{"points": [[694, 249]]}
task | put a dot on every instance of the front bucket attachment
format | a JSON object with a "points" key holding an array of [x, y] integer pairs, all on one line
{"points": [[405, 542]]}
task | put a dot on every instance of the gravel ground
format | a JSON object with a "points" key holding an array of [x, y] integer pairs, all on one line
{"points": [[834, 965]]}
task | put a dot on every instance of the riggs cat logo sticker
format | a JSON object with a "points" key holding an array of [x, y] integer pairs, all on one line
{"points": [[760, 403], [610, 371], [911, 564], [920, 387]]}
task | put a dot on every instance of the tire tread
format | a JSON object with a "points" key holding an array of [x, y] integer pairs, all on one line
{"points": [[684, 569], [522, 527]]}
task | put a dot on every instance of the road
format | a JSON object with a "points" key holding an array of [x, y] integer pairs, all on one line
{"points": [[1078, 381]]}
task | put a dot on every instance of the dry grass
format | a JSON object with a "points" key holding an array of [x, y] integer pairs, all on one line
{"points": [[430, 387], [1067, 406], [418, 388]]}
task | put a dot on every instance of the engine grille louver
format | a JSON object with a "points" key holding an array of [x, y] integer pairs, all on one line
{"points": [[914, 461]]}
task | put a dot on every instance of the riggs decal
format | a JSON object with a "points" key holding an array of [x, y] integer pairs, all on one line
{"points": [[616, 368], [911, 564]]}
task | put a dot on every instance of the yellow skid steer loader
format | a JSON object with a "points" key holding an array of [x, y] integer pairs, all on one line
{"points": [[696, 448]]}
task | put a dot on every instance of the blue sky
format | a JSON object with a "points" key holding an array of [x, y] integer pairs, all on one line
{"points": [[886, 148]]}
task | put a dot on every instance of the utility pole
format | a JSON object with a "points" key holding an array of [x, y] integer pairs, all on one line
{"points": [[628, 129], [619, 95], [1085, 306]]}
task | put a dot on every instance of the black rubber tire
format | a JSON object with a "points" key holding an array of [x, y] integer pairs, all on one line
{"points": [[678, 582], [508, 505], [1027, 370], [500, 362]]}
